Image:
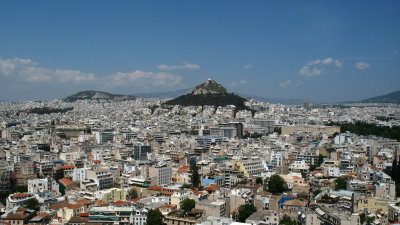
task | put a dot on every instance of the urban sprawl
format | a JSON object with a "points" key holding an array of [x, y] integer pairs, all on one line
{"points": [[139, 162]]}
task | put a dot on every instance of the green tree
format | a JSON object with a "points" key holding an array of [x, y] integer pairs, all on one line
{"points": [[187, 204], [340, 183], [259, 180], [315, 193], [133, 193], [242, 182], [286, 220], [154, 217], [326, 197], [276, 185], [370, 220], [320, 159], [32, 204], [363, 218], [398, 190], [244, 212], [186, 186], [59, 174], [195, 176]]}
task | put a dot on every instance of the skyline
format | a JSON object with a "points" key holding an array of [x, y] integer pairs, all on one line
{"points": [[321, 51]]}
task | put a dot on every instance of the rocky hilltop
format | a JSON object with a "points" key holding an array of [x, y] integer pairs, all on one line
{"points": [[97, 95], [209, 93], [208, 87]]}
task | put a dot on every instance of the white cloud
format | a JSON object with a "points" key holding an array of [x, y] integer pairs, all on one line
{"points": [[144, 79], [319, 66], [243, 82], [362, 65], [27, 70], [248, 66], [299, 83], [395, 52], [285, 83], [185, 65]]}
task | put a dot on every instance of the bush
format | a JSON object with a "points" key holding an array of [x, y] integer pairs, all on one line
{"points": [[276, 184], [245, 212], [187, 205]]}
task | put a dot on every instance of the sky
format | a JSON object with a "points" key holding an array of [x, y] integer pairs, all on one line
{"points": [[325, 51]]}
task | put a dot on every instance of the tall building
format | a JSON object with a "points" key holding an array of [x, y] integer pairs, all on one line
{"points": [[140, 151], [162, 174], [102, 176], [104, 137]]}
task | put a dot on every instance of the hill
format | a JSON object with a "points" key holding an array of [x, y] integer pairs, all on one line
{"points": [[208, 87], [209, 93], [176, 93], [393, 97], [97, 95]]}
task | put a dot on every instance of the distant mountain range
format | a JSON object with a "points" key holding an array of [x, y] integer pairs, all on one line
{"points": [[393, 97], [97, 95], [208, 93]]}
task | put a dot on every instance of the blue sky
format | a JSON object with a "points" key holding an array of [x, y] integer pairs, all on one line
{"points": [[326, 51]]}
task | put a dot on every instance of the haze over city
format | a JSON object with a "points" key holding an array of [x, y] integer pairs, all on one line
{"points": [[325, 51]]}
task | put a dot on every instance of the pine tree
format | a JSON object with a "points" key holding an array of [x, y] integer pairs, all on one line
{"points": [[395, 173], [195, 176]]}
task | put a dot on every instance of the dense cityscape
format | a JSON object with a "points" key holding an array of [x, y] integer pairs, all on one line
{"points": [[204, 112], [97, 160]]}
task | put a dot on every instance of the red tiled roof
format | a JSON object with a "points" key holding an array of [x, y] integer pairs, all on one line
{"points": [[168, 206], [211, 188], [101, 203], [120, 202], [184, 169], [44, 214], [68, 167], [20, 195], [155, 188], [74, 206], [138, 198], [66, 181], [84, 201], [59, 205], [15, 216]]}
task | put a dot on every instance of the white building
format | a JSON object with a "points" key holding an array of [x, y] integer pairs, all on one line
{"points": [[79, 174], [38, 185]]}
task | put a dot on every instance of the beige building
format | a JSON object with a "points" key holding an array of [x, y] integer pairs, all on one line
{"points": [[66, 210], [180, 195], [373, 204], [385, 190], [214, 208], [330, 130], [162, 175], [110, 195], [249, 168]]}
